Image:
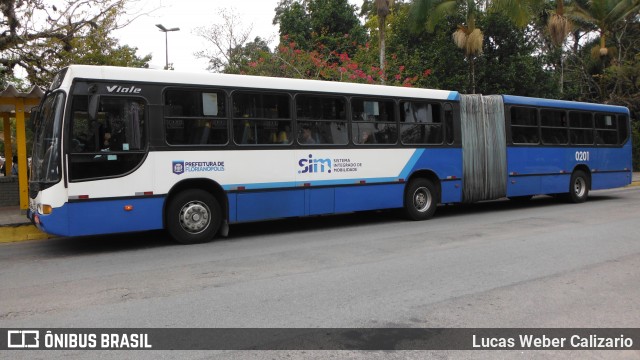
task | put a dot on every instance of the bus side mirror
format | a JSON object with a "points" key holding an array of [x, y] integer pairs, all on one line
{"points": [[94, 100], [33, 118]]}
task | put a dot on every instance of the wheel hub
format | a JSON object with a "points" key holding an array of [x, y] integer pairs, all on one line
{"points": [[580, 187], [195, 217], [422, 199]]}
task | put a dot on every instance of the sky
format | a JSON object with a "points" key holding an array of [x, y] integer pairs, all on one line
{"points": [[188, 15]]}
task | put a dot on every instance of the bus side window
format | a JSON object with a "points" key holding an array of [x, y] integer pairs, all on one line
{"points": [[606, 129], [115, 142], [195, 117], [553, 127], [524, 125], [321, 120], [261, 118], [448, 123], [623, 128], [378, 125], [421, 123], [581, 128]]}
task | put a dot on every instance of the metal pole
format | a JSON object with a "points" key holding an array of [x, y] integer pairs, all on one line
{"points": [[166, 50], [166, 42]]}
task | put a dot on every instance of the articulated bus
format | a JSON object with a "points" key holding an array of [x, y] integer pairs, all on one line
{"points": [[126, 150]]}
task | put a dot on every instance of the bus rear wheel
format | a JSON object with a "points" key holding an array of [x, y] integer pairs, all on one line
{"points": [[420, 199], [193, 216], [579, 187]]}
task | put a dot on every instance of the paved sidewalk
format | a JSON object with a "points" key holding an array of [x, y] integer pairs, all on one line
{"points": [[12, 215], [14, 226]]}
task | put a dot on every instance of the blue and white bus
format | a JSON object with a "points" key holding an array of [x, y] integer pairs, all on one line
{"points": [[125, 150]]}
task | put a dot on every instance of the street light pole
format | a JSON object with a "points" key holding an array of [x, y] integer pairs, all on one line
{"points": [[166, 42]]}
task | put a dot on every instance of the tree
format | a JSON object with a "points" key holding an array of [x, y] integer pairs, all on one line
{"points": [[377, 14], [383, 9], [610, 18], [96, 46], [522, 13], [227, 39], [8, 78], [559, 27], [512, 62], [323, 25], [36, 33], [252, 52], [606, 16], [467, 37], [294, 21], [559, 24]]}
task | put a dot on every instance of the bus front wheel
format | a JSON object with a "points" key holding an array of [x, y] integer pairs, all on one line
{"points": [[420, 199], [193, 216], [579, 187]]}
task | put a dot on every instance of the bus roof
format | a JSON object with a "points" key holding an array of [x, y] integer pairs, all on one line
{"points": [[246, 81], [112, 73], [563, 104]]}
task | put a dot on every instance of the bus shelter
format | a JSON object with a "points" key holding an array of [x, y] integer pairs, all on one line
{"points": [[17, 105]]}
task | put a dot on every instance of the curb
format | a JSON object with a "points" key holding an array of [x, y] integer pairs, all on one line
{"points": [[21, 232]]}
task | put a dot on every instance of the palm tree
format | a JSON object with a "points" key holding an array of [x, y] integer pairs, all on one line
{"points": [[559, 27], [559, 24], [521, 12], [469, 38], [605, 15], [383, 9]]}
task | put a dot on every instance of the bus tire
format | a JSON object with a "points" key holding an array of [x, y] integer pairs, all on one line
{"points": [[420, 199], [193, 216], [579, 187]]}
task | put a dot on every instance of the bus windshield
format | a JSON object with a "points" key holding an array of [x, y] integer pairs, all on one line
{"points": [[45, 163]]}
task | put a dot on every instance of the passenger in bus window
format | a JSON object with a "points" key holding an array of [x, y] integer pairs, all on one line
{"points": [[117, 135], [247, 133], [106, 141], [283, 135], [306, 137], [366, 137]]}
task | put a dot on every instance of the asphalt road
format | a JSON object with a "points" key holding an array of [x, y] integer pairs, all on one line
{"points": [[497, 264]]}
